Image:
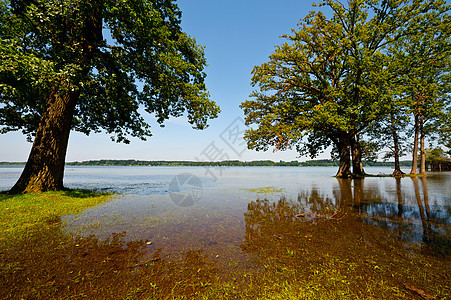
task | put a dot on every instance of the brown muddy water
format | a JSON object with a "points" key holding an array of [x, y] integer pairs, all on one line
{"points": [[239, 233]]}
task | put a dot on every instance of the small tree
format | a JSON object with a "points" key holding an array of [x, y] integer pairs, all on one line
{"points": [[388, 133], [428, 91], [92, 65], [435, 158]]}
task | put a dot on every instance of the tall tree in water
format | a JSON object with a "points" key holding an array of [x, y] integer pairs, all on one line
{"points": [[389, 133], [445, 131], [323, 86], [424, 68], [91, 66]]}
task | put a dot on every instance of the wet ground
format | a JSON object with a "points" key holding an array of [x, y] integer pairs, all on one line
{"points": [[376, 238]]}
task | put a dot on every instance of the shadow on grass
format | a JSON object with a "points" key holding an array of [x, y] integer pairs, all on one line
{"points": [[74, 193], [5, 196], [81, 193]]}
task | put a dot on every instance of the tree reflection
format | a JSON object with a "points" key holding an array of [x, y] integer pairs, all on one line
{"points": [[406, 219], [399, 216], [315, 202], [399, 197], [424, 221], [371, 243], [431, 233], [267, 223]]}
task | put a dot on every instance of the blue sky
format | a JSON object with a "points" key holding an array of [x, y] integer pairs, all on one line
{"points": [[237, 35]]}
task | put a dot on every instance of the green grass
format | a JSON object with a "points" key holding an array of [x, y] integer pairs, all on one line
{"points": [[265, 190], [21, 213], [292, 258]]}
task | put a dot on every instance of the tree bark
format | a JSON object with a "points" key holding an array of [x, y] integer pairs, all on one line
{"points": [[344, 170], [44, 170], [357, 165], [397, 171], [415, 146], [422, 152]]}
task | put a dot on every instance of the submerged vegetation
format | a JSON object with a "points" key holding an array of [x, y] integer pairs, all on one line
{"points": [[22, 214], [359, 262], [313, 247], [265, 190]]}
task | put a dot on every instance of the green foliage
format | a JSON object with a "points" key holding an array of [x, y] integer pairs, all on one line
{"points": [[120, 57], [337, 75], [434, 155], [445, 131], [423, 63]]}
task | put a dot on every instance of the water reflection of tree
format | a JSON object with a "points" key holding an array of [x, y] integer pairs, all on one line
{"points": [[343, 254], [417, 224], [351, 193], [431, 233], [399, 197], [315, 202], [273, 228], [397, 216]]}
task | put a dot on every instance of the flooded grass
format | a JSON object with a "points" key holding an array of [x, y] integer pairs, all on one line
{"points": [[340, 258], [265, 190], [292, 258], [21, 213], [349, 245]]}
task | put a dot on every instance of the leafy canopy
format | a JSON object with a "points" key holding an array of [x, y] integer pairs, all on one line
{"points": [[121, 56], [330, 78]]}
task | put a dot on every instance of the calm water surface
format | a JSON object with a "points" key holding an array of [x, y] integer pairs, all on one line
{"points": [[177, 208]]}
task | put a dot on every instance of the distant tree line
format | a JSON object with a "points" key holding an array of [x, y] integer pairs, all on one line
{"points": [[226, 163]]}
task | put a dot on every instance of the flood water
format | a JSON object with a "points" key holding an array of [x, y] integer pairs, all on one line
{"points": [[247, 219]]}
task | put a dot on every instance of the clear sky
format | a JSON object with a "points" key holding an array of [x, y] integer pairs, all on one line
{"points": [[237, 35]]}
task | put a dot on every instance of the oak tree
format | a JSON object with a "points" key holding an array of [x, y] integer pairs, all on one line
{"points": [[325, 84], [426, 85], [92, 66], [418, 90]]}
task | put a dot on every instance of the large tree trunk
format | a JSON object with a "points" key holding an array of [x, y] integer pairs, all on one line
{"points": [[44, 169], [344, 170], [397, 171], [357, 165], [415, 146], [422, 152]]}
